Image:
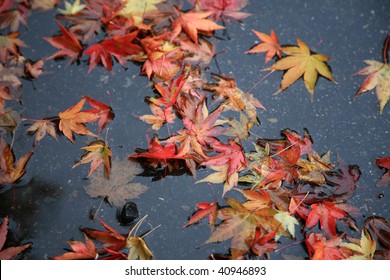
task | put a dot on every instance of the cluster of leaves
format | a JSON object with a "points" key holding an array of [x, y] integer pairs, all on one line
{"points": [[116, 246], [291, 184]]}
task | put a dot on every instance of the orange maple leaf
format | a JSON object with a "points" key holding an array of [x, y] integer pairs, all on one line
{"points": [[81, 251], [193, 22], [270, 45], [72, 121]]}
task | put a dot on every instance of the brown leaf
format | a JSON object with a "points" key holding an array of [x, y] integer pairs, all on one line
{"points": [[119, 187]]}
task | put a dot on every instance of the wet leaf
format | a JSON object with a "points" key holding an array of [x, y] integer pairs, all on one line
{"points": [[206, 209], [300, 61], [41, 128], [9, 45], [321, 248], [193, 22], [81, 251], [10, 172], [379, 77], [73, 120], [326, 213], [101, 110], [67, 44], [270, 45], [363, 249], [10, 252], [119, 187], [97, 152]]}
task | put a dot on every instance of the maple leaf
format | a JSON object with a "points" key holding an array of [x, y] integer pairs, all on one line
{"points": [[138, 9], [199, 54], [320, 248], [301, 61], [287, 221], [240, 225], [222, 9], [97, 153], [363, 249], [13, 17], [263, 243], [101, 110], [10, 252], [9, 45], [72, 121], [379, 77], [9, 120], [111, 239], [169, 93], [326, 213], [206, 209], [81, 251], [384, 162], [118, 46], [10, 83], [236, 99], [221, 176], [200, 130], [138, 250], [270, 45], [159, 116], [379, 228], [193, 22], [67, 44], [72, 9], [41, 128], [9, 171], [119, 187], [161, 57]]}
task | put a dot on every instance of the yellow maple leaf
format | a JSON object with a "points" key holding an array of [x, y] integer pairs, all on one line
{"points": [[300, 61], [137, 9]]}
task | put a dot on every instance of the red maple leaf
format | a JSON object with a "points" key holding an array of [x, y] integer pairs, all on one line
{"points": [[326, 213], [103, 111], [206, 209], [320, 248], [169, 93], [231, 154], [67, 44], [111, 239], [10, 44], [118, 46]]}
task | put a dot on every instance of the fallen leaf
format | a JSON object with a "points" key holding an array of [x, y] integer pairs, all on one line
{"points": [[10, 172], [81, 251], [138, 250], [270, 45], [101, 110], [119, 187], [193, 22], [41, 128], [67, 44], [206, 209], [363, 249], [326, 213], [10, 252], [320, 248], [300, 61], [97, 153], [73, 120], [9, 45], [379, 77]]}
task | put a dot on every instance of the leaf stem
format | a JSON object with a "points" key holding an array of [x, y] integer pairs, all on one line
{"points": [[260, 80], [385, 49]]}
